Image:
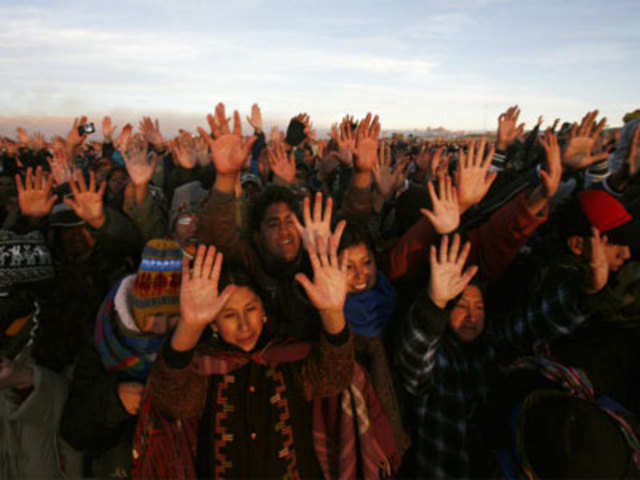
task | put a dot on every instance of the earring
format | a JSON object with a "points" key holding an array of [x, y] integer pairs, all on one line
{"points": [[264, 319], [214, 334]]}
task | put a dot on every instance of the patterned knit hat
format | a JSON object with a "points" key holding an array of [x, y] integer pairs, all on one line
{"points": [[157, 285], [24, 259]]}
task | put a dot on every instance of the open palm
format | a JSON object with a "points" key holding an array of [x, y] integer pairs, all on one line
{"points": [[34, 196], [445, 216], [87, 201], [328, 290], [318, 226], [367, 143], [447, 278], [228, 151], [200, 300], [472, 180], [140, 170]]}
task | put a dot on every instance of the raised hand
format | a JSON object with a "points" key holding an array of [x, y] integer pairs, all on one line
{"points": [[74, 138], [34, 197], [184, 151], [328, 291], [553, 174], [130, 395], [367, 143], [388, 181], [139, 168], [579, 150], [439, 158], [255, 120], [151, 132], [228, 151], [447, 278], [507, 130], [61, 168], [472, 180], [276, 135], [200, 300], [108, 129], [282, 165], [37, 141], [345, 139], [23, 136], [445, 216], [306, 121], [599, 267], [318, 226], [123, 139], [202, 151], [87, 201]]}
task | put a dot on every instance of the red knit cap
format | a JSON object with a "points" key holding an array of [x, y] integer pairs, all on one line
{"points": [[602, 210]]}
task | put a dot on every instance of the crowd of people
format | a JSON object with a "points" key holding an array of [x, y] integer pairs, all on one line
{"points": [[277, 305]]}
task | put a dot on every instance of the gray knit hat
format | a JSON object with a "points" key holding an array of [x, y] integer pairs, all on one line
{"points": [[62, 215], [24, 259], [187, 198]]}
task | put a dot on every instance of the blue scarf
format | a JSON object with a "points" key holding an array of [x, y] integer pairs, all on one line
{"points": [[369, 312]]}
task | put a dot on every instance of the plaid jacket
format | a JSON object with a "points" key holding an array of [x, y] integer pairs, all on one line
{"points": [[449, 378]]}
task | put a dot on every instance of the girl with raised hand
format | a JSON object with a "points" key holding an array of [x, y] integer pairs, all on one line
{"points": [[239, 404]]}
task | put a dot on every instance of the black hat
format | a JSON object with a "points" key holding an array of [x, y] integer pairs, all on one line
{"points": [[562, 436]]}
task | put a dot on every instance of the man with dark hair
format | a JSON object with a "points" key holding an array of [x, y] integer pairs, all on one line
{"points": [[272, 217], [272, 253]]}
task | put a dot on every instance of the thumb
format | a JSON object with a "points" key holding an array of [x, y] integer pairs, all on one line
{"points": [[468, 274], [72, 204], [600, 156], [248, 144], [430, 216], [303, 280], [52, 201], [491, 178]]}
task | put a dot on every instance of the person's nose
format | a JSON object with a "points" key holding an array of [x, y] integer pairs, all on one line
{"points": [[243, 325]]}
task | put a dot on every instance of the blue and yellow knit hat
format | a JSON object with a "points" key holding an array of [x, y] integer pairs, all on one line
{"points": [[156, 288]]}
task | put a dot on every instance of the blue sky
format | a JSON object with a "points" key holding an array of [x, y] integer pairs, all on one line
{"points": [[456, 64]]}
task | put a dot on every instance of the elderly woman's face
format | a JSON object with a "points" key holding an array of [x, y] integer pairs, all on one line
{"points": [[241, 320], [361, 268]]}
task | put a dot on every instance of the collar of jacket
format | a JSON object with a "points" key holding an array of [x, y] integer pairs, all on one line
{"points": [[213, 360]]}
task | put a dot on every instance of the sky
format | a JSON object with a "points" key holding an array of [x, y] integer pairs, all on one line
{"points": [[456, 64]]}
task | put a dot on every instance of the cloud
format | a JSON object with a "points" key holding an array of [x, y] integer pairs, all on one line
{"points": [[416, 63], [583, 54]]}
